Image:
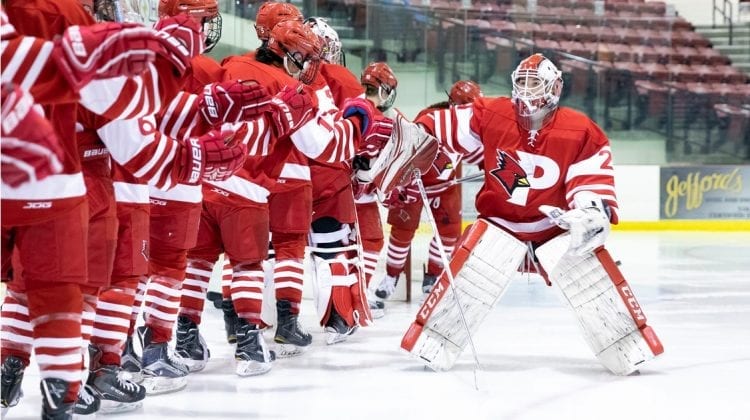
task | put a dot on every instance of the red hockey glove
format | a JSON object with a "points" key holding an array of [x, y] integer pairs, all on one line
{"points": [[233, 102], [361, 189], [211, 157], [401, 196], [30, 148], [290, 109], [375, 129], [184, 40], [105, 50]]}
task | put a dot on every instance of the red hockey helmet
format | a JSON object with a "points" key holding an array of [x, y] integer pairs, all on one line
{"points": [[206, 11], [537, 86], [464, 92], [270, 14], [296, 43], [380, 76]]}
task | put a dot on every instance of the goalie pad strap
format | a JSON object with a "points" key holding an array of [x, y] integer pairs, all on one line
{"points": [[482, 266]]}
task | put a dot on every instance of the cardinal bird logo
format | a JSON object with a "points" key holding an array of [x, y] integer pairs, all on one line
{"points": [[509, 173]]}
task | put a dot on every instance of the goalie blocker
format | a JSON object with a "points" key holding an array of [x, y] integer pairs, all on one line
{"points": [[482, 267]]}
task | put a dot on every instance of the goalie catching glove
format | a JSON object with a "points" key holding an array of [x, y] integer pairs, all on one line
{"points": [[587, 223], [233, 102], [211, 157], [401, 196]]}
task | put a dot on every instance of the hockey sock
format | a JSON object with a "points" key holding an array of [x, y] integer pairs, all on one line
{"points": [[112, 320], [287, 278], [247, 291], [434, 263], [398, 249], [162, 302], [55, 312], [16, 334], [194, 288], [140, 292]]}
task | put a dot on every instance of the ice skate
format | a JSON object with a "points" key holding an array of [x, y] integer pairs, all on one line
{"points": [[12, 377], [230, 320], [292, 340], [131, 362], [252, 353], [109, 383], [337, 330], [53, 394], [87, 403], [191, 348], [161, 372]]}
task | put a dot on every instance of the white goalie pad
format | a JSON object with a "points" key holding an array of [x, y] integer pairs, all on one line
{"points": [[610, 317], [482, 266], [324, 279], [408, 149]]}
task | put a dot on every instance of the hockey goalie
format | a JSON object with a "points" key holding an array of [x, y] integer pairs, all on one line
{"points": [[547, 201]]}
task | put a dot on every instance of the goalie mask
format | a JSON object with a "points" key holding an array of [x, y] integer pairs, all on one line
{"points": [[329, 40], [270, 14], [125, 11], [205, 11], [378, 79], [464, 92], [537, 85], [299, 49]]}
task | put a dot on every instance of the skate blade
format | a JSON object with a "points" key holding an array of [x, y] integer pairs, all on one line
{"points": [[335, 337], [377, 313], [112, 407], [136, 377], [156, 385], [193, 365], [246, 368], [288, 350]]}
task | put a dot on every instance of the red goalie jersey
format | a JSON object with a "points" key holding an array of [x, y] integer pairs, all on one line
{"points": [[569, 155]]}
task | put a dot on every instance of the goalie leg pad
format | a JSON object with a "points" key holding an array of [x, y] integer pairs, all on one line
{"points": [[482, 266], [335, 284], [612, 321]]}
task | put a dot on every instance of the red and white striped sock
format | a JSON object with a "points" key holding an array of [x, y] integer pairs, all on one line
{"points": [[140, 292], [226, 280], [370, 260], [435, 262], [16, 334], [397, 253], [288, 278], [247, 291], [90, 297], [112, 320], [162, 302], [197, 276], [55, 313]]}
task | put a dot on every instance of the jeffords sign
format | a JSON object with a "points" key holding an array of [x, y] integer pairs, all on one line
{"points": [[705, 192]]}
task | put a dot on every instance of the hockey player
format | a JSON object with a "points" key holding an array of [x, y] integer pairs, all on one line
{"points": [[548, 189], [339, 274], [53, 211], [445, 204]]}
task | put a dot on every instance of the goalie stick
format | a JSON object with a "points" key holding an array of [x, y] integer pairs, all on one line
{"points": [[443, 185]]}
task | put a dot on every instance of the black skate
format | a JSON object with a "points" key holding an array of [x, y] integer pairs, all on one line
{"points": [[337, 330], [215, 298], [117, 394], [161, 372], [12, 377], [87, 403], [191, 348], [252, 353], [377, 308], [131, 362], [290, 336], [53, 395], [427, 282], [230, 320]]}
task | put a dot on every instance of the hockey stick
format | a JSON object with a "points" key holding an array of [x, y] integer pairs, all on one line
{"points": [[452, 182], [447, 269]]}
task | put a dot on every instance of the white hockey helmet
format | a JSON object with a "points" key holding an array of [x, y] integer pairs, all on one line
{"points": [[329, 39], [537, 86]]}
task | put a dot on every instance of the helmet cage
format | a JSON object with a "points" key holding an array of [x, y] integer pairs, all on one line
{"points": [[307, 66], [212, 31], [123, 11], [536, 94]]}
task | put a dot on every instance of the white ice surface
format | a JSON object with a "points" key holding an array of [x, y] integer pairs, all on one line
{"points": [[694, 288]]}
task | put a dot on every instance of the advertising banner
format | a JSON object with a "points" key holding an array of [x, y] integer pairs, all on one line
{"points": [[705, 192]]}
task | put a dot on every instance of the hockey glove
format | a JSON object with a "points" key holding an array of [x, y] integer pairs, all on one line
{"points": [[105, 50], [183, 38], [290, 109], [375, 129], [233, 102], [211, 157], [589, 227], [401, 196], [30, 147]]}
